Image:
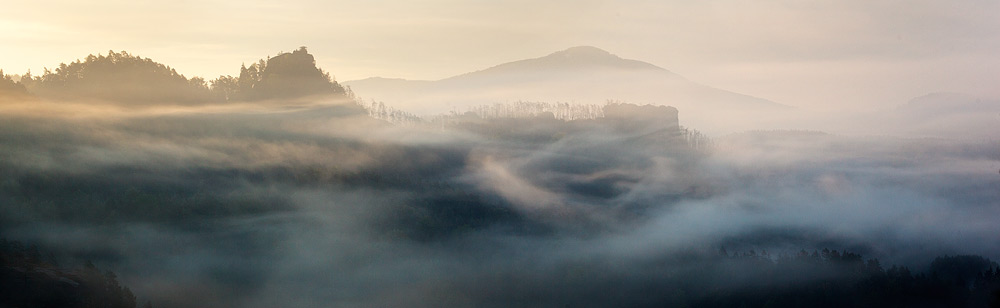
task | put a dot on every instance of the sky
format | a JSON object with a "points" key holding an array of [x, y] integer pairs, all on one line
{"points": [[312, 203], [825, 55]]}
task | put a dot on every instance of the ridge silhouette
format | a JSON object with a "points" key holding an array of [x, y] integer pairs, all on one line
{"points": [[120, 77]]}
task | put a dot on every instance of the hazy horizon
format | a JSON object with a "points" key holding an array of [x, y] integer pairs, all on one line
{"points": [[706, 154], [831, 55]]}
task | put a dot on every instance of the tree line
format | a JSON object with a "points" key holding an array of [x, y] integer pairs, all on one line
{"points": [[829, 278], [126, 78], [29, 278]]}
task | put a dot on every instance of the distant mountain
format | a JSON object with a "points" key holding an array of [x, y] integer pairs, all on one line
{"points": [[947, 114], [580, 59], [946, 103], [585, 75]]}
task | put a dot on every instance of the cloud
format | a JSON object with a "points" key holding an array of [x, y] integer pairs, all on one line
{"points": [[302, 204]]}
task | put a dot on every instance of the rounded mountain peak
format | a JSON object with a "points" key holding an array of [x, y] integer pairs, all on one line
{"points": [[574, 60], [585, 57], [584, 52]]}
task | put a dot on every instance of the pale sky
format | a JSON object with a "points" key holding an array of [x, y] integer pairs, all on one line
{"points": [[834, 54]]}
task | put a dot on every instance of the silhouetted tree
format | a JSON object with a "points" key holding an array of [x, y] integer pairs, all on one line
{"points": [[8, 86], [287, 75], [840, 279], [28, 281], [119, 77]]}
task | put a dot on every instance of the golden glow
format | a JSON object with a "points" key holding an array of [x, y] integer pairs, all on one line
{"points": [[827, 54]]}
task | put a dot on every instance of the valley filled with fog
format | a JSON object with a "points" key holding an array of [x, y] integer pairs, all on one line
{"points": [[576, 179]]}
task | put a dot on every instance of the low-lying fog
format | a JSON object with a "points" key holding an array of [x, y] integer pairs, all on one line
{"points": [[314, 204]]}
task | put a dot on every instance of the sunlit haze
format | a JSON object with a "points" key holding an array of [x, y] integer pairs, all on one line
{"points": [[828, 55], [445, 153]]}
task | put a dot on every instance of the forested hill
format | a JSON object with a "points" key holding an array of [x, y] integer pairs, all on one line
{"points": [[120, 77], [287, 75], [30, 277], [844, 279]]}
